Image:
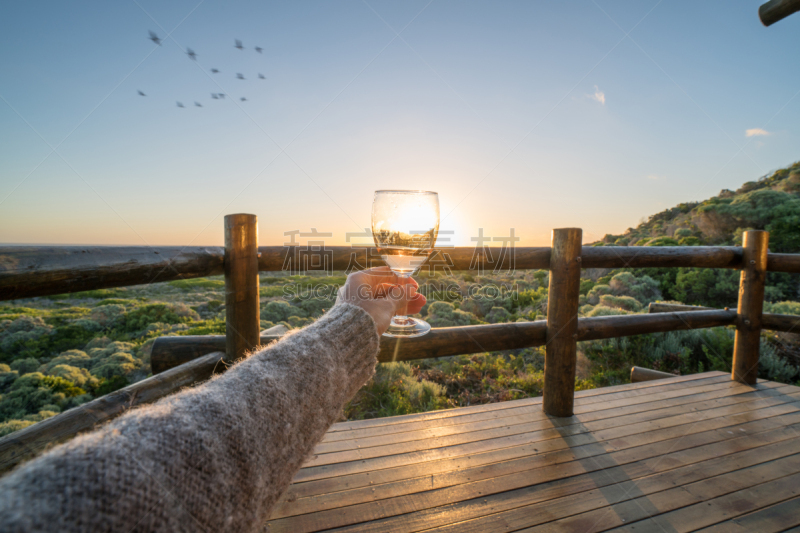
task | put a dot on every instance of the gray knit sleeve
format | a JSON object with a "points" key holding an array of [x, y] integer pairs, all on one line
{"points": [[215, 457]]}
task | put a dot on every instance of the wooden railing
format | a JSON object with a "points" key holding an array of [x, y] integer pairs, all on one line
{"points": [[180, 361], [775, 10]]}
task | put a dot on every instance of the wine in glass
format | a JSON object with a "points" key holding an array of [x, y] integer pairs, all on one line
{"points": [[404, 226]]}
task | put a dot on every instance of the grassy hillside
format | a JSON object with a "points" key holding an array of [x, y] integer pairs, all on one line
{"points": [[772, 203]]}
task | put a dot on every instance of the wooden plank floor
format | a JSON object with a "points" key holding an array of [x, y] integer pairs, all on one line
{"points": [[690, 453]]}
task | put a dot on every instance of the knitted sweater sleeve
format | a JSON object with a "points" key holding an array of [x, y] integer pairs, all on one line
{"points": [[215, 457]]}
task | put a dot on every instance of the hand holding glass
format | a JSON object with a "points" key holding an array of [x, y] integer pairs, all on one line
{"points": [[404, 227]]}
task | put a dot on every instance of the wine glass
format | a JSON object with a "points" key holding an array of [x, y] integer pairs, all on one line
{"points": [[404, 226]]}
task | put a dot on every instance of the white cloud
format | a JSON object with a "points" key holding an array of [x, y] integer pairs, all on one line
{"points": [[598, 96], [755, 132]]}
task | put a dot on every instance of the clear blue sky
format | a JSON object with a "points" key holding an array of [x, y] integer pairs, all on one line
{"points": [[528, 114]]}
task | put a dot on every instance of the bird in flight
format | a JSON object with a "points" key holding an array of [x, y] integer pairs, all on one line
{"points": [[214, 96], [238, 45], [214, 71], [221, 95], [192, 55], [259, 49], [243, 99], [179, 104], [141, 93], [261, 76], [198, 104], [239, 76], [155, 38]]}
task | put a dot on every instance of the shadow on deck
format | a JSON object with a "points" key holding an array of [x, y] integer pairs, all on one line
{"points": [[680, 454]]}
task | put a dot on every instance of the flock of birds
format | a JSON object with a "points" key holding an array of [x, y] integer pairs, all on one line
{"points": [[193, 56]]}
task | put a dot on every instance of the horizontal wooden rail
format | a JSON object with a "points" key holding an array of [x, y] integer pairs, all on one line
{"points": [[771, 321], [32, 440], [776, 10], [639, 374], [28, 271], [783, 263], [169, 352]]}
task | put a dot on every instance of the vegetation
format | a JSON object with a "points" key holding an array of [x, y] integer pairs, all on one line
{"points": [[58, 352]]}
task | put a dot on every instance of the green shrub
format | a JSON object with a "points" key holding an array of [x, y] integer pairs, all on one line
{"points": [[75, 358], [586, 286], [98, 294], [31, 392], [107, 386], [141, 317], [215, 326], [118, 301], [296, 322], [198, 283], [271, 292], [279, 311], [535, 298], [485, 298], [444, 314], [773, 367], [313, 307], [498, 315], [79, 376], [662, 241], [783, 308], [707, 287], [593, 297], [644, 289], [625, 303], [7, 377], [11, 426], [602, 310], [395, 391], [69, 336], [108, 315], [25, 366], [25, 336], [119, 363]]}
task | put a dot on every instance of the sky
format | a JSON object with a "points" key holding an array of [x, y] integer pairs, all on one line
{"points": [[523, 115]]}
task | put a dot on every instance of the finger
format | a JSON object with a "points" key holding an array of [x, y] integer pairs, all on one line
{"points": [[389, 291], [416, 304], [398, 296], [378, 275], [381, 311]]}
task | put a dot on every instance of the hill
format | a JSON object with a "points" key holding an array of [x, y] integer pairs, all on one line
{"points": [[772, 203]]}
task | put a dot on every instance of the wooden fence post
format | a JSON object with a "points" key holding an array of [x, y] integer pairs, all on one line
{"points": [[242, 321], [562, 322], [751, 301]]}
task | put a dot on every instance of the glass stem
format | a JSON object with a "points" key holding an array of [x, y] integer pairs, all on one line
{"points": [[401, 317]]}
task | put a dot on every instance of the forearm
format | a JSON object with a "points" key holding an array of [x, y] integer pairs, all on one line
{"points": [[214, 457]]}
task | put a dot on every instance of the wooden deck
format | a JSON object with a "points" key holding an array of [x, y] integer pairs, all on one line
{"points": [[691, 453]]}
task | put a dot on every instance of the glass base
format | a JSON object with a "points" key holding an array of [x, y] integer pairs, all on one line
{"points": [[407, 327]]}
